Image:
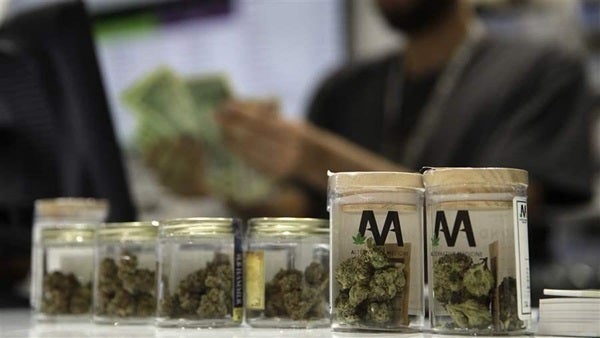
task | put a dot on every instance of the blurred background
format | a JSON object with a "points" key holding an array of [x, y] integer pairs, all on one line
{"points": [[241, 48]]}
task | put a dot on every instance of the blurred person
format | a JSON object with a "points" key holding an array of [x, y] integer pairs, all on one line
{"points": [[455, 95], [56, 133]]}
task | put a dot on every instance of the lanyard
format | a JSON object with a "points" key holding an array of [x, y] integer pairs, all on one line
{"points": [[433, 109]]}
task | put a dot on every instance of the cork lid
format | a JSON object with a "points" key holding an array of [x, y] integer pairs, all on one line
{"points": [[71, 207], [375, 179], [434, 177]]}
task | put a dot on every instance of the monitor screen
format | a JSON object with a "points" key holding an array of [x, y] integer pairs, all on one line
{"points": [[55, 122], [265, 48]]}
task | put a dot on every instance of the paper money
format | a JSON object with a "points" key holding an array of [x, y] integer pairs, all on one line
{"points": [[170, 110]]}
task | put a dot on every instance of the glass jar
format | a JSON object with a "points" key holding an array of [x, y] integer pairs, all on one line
{"points": [[54, 213], [125, 273], [479, 270], [376, 251], [287, 278], [64, 286], [200, 264]]}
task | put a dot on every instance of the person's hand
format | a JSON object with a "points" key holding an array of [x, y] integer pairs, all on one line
{"points": [[264, 140]]}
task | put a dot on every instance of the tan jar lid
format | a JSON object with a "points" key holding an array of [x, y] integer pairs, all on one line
{"points": [[70, 207], [435, 177], [375, 179]]}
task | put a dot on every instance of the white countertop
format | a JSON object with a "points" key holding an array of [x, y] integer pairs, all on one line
{"points": [[19, 323]]}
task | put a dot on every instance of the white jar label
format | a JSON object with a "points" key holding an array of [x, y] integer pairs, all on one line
{"points": [[522, 257]]}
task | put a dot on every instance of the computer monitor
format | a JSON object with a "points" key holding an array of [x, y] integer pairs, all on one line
{"points": [[56, 134]]}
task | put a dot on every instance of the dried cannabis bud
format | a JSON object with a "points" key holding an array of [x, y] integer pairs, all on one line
{"points": [[124, 290], [464, 289], [379, 313], [509, 318], [296, 295], [353, 271], [479, 280], [203, 294], [448, 274], [369, 282], [470, 314], [64, 294]]}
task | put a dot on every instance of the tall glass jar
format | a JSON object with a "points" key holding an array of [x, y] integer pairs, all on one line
{"points": [[478, 252], [200, 269], [125, 273], [376, 251], [287, 279], [54, 213], [65, 283]]}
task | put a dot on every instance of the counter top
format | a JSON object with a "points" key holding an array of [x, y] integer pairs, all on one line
{"points": [[15, 323]]}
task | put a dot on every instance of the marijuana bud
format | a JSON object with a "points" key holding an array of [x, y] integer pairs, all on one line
{"points": [[448, 272], [64, 294], [386, 283], [508, 312], [369, 283], [124, 290], [353, 271], [376, 255], [380, 313], [315, 273], [344, 309], [297, 295], [478, 279], [81, 299], [470, 314], [464, 289], [214, 304], [358, 294], [203, 294]]}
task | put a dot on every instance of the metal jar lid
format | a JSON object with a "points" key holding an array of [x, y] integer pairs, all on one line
{"points": [[128, 231], [74, 233], [197, 226], [288, 226]]}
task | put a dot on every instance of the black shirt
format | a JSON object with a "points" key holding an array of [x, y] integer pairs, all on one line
{"points": [[516, 104]]}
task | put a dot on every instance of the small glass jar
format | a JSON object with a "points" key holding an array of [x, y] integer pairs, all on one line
{"points": [[478, 252], [55, 213], [287, 273], [125, 273], [65, 283], [200, 264], [376, 251]]}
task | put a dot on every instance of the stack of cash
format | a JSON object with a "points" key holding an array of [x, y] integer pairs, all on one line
{"points": [[179, 139]]}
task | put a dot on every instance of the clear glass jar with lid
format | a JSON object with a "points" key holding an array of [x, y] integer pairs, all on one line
{"points": [[125, 273], [376, 251], [64, 286], [287, 273], [201, 273], [478, 252], [55, 213]]}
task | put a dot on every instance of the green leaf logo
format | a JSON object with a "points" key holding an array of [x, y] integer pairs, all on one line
{"points": [[435, 241], [358, 239]]}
